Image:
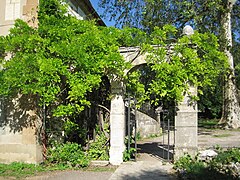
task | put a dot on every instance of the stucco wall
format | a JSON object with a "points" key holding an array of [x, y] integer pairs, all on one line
{"points": [[19, 123], [9, 11]]}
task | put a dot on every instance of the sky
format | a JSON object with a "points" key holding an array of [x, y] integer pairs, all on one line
{"points": [[100, 11]]}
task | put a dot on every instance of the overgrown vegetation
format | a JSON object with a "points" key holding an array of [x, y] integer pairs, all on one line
{"points": [[226, 165], [73, 155], [65, 59], [129, 154], [64, 62], [205, 16]]}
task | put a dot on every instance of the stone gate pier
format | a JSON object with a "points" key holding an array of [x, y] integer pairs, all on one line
{"points": [[117, 123], [186, 123]]}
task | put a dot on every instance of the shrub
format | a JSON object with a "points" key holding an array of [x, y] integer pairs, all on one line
{"points": [[224, 166], [99, 149], [227, 162], [69, 154], [129, 154], [190, 168]]}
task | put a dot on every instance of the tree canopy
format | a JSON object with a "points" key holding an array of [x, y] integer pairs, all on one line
{"points": [[205, 15]]}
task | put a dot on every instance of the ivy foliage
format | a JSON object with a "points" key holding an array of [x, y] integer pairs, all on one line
{"points": [[64, 59]]}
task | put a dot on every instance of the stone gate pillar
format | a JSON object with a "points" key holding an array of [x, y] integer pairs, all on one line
{"points": [[186, 126], [117, 124]]}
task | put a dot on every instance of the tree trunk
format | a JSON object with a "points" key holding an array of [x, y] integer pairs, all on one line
{"points": [[231, 108]]}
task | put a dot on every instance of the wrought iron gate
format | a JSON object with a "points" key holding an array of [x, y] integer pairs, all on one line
{"points": [[168, 135]]}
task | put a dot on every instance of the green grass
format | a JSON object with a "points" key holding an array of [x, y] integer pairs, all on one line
{"points": [[208, 123], [101, 169], [22, 170]]}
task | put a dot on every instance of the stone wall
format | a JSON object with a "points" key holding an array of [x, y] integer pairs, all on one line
{"points": [[146, 125]]}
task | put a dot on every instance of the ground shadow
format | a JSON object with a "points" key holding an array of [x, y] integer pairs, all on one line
{"points": [[204, 131], [157, 150], [155, 174]]}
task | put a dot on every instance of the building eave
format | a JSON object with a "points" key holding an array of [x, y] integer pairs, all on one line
{"points": [[91, 12]]}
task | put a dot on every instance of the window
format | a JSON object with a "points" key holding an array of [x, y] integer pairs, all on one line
{"points": [[12, 10]]}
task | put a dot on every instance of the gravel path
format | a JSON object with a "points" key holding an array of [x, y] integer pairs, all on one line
{"points": [[208, 138]]}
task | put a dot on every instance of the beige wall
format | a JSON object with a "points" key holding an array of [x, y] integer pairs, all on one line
{"points": [[25, 9], [20, 129], [75, 10], [9, 11], [19, 124]]}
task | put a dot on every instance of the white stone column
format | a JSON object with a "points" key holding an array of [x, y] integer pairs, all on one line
{"points": [[117, 124], [186, 123]]}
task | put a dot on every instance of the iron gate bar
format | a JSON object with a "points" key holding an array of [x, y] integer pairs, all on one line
{"points": [[168, 138], [131, 123], [167, 128], [135, 129], [163, 137], [174, 136], [129, 116]]}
